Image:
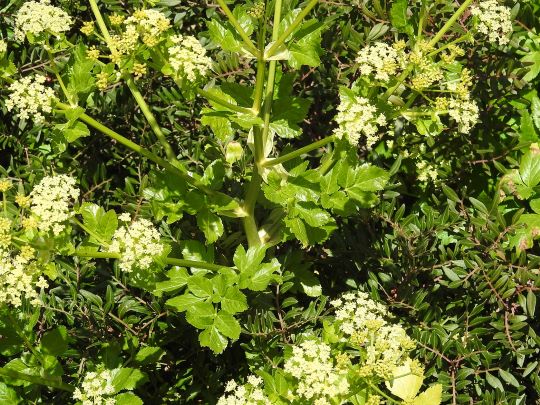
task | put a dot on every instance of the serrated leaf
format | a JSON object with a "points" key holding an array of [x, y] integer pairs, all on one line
{"points": [[178, 277], [126, 378], [234, 300], [100, 223], [8, 396], [227, 325], [201, 315], [212, 339], [183, 302]]}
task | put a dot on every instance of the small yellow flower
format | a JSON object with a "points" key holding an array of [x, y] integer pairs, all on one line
{"points": [[29, 223], [88, 28], [116, 19], [102, 81], [22, 200], [139, 70], [93, 53], [5, 185]]}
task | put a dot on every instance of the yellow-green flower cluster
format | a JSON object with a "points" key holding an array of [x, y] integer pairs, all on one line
{"points": [[30, 98], [363, 323], [494, 21], [96, 389], [465, 113], [188, 58], [250, 393], [138, 244], [51, 201], [39, 17], [320, 379], [357, 117], [380, 60], [147, 26], [19, 271], [426, 171]]}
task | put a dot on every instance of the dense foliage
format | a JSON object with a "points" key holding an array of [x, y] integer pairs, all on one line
{"points": [[271, 201]]}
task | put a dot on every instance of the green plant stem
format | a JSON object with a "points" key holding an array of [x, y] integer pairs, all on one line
{"points": [[54, 68], [209, 96], [247, 40], [259, 86], [269, 96], [463, 38], [260, 136], [298, 152], [380, 392], [53, 382], [151, 120], [283, 37], [100, 21], [145, 152], [169, 260], [449, 23]]}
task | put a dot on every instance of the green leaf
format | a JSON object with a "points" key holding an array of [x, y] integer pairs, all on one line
{"points": [[8, 396], [259, 279], [219, 122], [227, 325], [250, 260], [178, 277], [210, 224], [200, 286], [183, 302], [234, 300], [128, 398], [211, 338], [284, 129], [527, 131], [532, 60], [54, 342], [494, 381], [223, 37], [126, 378], [201, 315], [78, 130], [102, 224], [529, 168], [311, 214], [149, 355], [535, 111], [509, 378], [305, 50], [398, 17], [81, 79], [370, 178]]}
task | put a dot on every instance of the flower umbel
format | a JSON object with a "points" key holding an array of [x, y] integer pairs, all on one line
{"points": [[188, 58], [31, 98], [356, 117], [39, 17], [494, 21], [318, 377], [51, 200], [248, 394], [95, 389], [379, 60], [138, 244]]}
